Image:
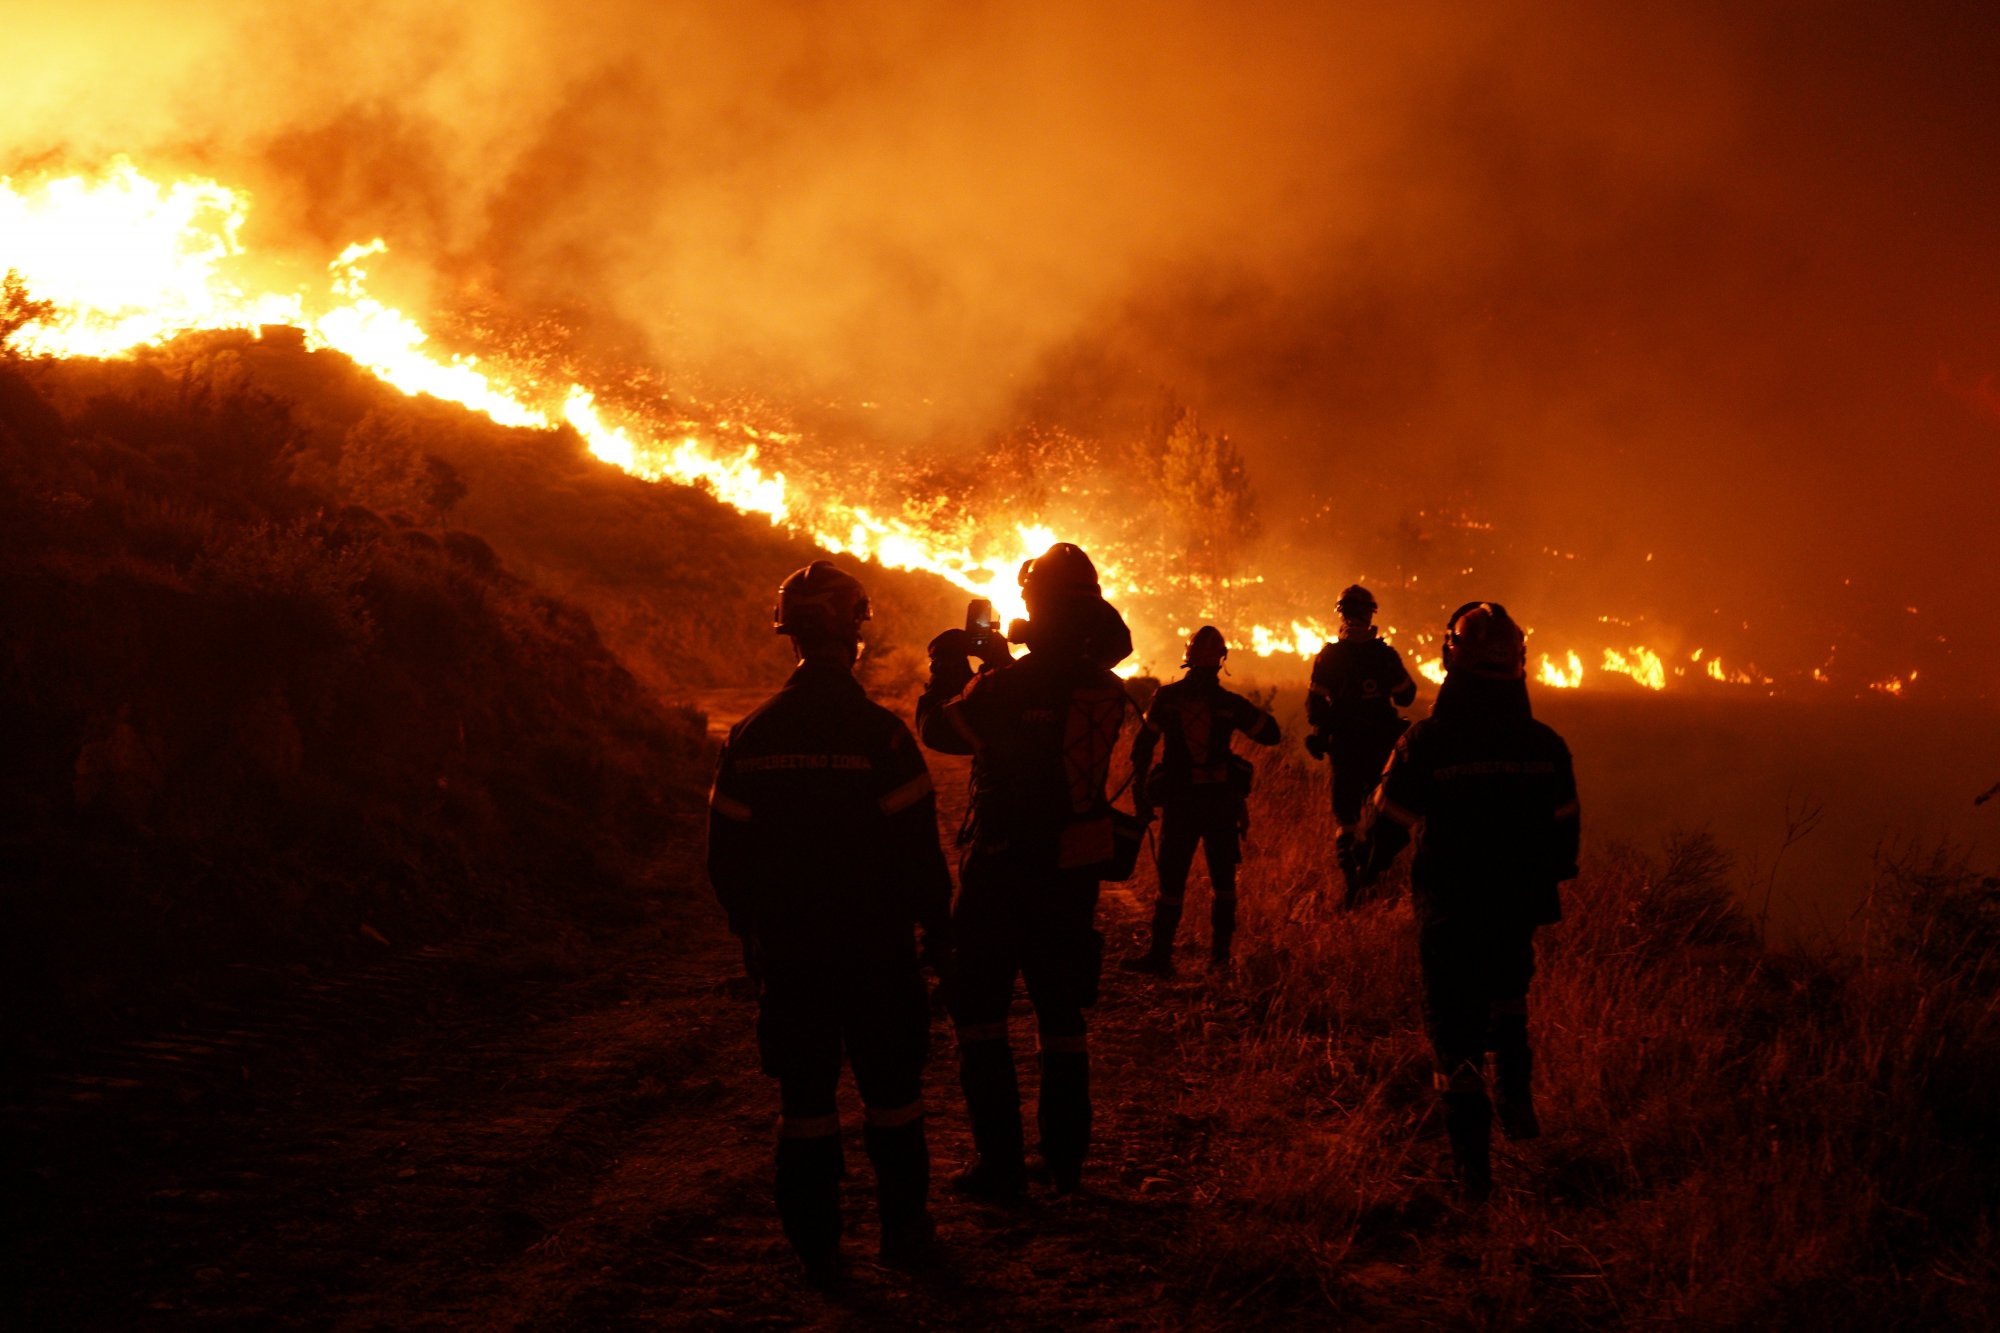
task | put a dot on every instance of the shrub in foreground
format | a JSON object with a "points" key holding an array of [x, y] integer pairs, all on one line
{"points": [[1733, 1137]]}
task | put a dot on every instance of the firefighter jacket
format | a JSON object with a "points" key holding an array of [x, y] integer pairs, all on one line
{"points": [[822, 828], [1041, 731], [1357, 685], [1197, 718], [1490, 796]]}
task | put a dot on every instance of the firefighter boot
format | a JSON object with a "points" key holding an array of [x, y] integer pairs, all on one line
{"points": [[808, 1195], [1513, 1077], [1159, 959], [902, 1163], [1063, 1114], [993, 1104], [1468, 1121]]}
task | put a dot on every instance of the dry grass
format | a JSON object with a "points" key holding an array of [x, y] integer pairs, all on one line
{"points": [[1733, 1138]]}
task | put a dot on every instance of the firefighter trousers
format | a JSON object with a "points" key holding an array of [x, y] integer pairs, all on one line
{"points": [[809, 1016], [1207, 822], [1476, 976], [1038, 924], [1356, 769]]}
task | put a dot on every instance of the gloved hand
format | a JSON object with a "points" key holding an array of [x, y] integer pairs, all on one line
{"points": [[1316, 745]]}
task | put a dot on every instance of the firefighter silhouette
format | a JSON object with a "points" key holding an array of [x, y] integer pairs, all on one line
{"points": [[1491, 798], [1358, 683], [1199, 788], [1042, 730], [823, 849]]}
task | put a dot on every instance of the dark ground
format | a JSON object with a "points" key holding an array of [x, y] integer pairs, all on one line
{"points": [[563, 1132]]}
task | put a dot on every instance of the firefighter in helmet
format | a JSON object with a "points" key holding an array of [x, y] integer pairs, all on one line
{"points": [[823, 849], [1041, 730], [1490, 797], [1358, 683], [1199, 787]]}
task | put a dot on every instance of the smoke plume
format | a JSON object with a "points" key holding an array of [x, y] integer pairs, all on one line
{"points": [[1694, 302]]}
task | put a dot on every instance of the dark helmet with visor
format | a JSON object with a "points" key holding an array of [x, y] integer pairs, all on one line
{"points": [[821, 602]]}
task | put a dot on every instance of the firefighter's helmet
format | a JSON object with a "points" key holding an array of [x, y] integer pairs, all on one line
{"points": [[1482, 639], [1063, 568], [1356, 603], [821, 602], [1207, 648]]}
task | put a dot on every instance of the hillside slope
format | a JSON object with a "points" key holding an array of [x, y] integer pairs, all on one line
{"points": [[297, 665]]}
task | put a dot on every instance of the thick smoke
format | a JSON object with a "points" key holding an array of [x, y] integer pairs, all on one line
{"points": [[1714, 284]]}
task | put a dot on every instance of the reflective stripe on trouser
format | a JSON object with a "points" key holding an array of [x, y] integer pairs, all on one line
{"points": [[891, 1117], [902, 1162], [992, 1100], [808, 1126], [808, 1193]]}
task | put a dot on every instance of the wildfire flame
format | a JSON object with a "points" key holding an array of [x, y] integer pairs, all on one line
{"points": [[1303, 639], [1568, 677], [1642, 665], [1716, 671], [130, 262]]}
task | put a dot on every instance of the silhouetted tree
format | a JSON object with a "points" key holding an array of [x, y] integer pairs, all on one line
{"points": [[1205, 491], [18, 310]]}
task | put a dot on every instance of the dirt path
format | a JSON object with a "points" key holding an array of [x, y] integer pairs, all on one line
{"points": [[517, 1133]]}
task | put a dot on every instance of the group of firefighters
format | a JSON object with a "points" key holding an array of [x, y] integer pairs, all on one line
{"points": [[824, 852]]}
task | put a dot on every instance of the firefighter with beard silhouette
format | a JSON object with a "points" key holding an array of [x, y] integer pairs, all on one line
{"points": [[1041, 731], [1358, 683], [1490, 796], [1199, 787], [823, 849]]}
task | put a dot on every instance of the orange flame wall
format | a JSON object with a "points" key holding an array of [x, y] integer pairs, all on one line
{"points": [[1569, 269]]}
